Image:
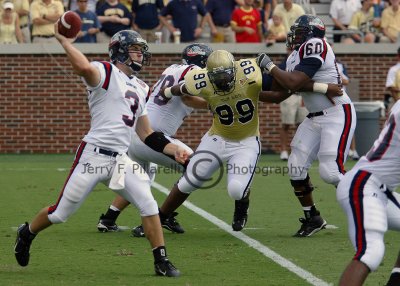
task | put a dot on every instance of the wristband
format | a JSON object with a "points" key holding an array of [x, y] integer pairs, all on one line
{"points": [[181, 88], [168, 93], [270, 66], [157, 141], [320, 87]]}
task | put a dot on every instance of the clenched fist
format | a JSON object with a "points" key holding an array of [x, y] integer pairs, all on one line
{"points": [[265, 62]]}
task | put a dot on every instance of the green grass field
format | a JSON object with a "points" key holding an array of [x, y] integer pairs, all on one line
{"points": [[75, 253]]}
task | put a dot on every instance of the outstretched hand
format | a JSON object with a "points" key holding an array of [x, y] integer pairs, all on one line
{"points": [[60, 37]]}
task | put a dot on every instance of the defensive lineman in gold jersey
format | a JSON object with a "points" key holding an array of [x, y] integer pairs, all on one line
{"points": [[236, 111], [232, 90]]}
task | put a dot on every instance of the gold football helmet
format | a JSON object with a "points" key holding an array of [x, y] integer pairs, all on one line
{"points": [[221, 71]]}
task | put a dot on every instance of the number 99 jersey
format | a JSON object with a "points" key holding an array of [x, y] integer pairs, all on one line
{"points": [[235, 115]]}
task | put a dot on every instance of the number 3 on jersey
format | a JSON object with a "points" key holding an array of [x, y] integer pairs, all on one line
{"points": [[131, 95], [244, 107]]}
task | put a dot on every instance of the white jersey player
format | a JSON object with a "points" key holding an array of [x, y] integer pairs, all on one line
{"points": [[117, 104], [166, 116], [366, 194], [327, 131]]}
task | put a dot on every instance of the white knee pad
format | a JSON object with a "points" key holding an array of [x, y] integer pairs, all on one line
{"points": [[375, 251], [329, 172], [236, 190], [148, 208], [393, 213], [56, 218]]}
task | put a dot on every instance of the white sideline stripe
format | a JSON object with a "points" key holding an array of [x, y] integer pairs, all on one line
{"points": [[251, 242]]}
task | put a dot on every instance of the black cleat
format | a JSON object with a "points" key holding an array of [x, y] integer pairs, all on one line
{"points": [[240, 215], [106, 224], [138, 231], [166, 268], [310, 226], [171, 223], [23, 244], [394, 279]]}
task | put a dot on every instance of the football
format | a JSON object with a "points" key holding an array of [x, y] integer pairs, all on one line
{"points": [[69, 24]]}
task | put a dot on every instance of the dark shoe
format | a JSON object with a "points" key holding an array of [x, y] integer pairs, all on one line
{"points": [[106, 224], [394, 279], [171, 223], [23, 244], [138, 231], [166, 268], [240, 214], [310, 226]]}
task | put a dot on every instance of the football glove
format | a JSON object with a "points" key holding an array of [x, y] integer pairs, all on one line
{"points": [[265, 62]]}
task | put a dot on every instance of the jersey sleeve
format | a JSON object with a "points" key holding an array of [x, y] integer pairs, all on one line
{"points": [[185, 71], [312, 55], [391, 77], [196, 81], [103, 75]]}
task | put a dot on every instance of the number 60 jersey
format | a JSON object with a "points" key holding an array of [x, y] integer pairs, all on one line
{"points": [[235, 115]]}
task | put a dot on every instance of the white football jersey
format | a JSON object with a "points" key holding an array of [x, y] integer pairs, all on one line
{"points": [[167, 115], [114, 105], [312, 54], [383, 160]]}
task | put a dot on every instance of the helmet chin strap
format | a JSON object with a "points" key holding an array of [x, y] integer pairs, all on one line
{"points": [[135, 66]]}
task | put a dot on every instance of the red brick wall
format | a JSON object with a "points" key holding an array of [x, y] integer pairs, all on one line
{"points": [[43, 105]]}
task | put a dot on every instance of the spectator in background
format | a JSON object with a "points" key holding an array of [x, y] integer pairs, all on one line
{"points": [[128, 3], [10, 32], [146, 20], [90, 24], [379, 6], [269, 6], [221, 11], [22, 9], [246, 23], [390, 22], [44, 13], [258, 4], [184, 19], [276, 31], [91, 5], [113, 17], [289, 12], [393, 79], [341, 12], [363, 20]]}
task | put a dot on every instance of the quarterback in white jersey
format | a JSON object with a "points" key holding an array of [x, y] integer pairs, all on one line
{"points": [[166, 116], [327, 131], [117, 104], [367, 196]]}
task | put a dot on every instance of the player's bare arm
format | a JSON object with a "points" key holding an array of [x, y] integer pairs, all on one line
{"points": [[157, 141], [195, 102], [273, 96], [293, 81], [176, 90], [79, 62]]}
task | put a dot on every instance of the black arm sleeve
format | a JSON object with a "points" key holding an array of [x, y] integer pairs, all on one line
{"points": [[157, 141]]}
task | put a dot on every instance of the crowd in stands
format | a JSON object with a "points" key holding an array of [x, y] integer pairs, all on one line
{"points": [[217, 21]]}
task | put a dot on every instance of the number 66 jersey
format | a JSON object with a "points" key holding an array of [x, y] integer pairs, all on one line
{"points": [[235, 115]]}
